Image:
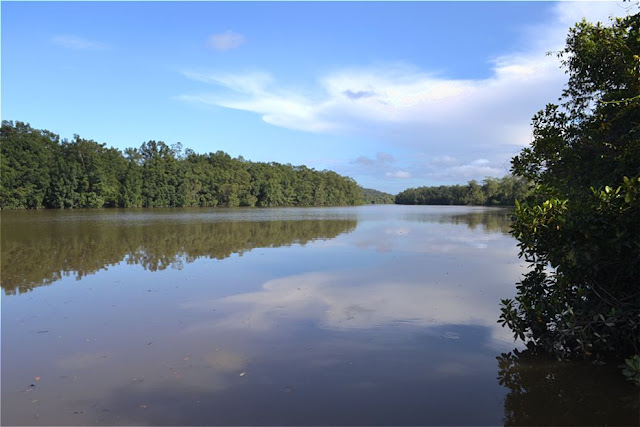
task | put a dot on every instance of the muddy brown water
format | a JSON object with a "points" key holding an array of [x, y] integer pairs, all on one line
{"points": [[373, 315]]}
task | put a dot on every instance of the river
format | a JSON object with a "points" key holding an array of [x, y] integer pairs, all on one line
{"points": [[371, 315]]}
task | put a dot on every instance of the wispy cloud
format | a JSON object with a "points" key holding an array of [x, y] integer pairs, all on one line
{"points": [[455, 120], [226, 41], [394, 97], [359, 94], [380, 160], [78, 43], [398, 174], [474, 169]]}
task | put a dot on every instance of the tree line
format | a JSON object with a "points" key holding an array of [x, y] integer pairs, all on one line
{"points": [[492, 192], [38, 169], [375, 197]]}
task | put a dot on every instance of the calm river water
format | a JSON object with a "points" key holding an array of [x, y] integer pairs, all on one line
{"points": [[374, 315]]}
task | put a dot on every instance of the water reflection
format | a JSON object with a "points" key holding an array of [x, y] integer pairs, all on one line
{"points": [[322, 377], [571, 393], [490, 220], [363, 298], [361, 316], [42, 252]]}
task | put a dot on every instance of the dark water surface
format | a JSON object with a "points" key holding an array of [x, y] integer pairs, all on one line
{"points": [[340, 316]]}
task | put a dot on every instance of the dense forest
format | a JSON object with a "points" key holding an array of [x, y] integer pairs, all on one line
{"points": [[375, 197], [40, 170], [493, 192]]}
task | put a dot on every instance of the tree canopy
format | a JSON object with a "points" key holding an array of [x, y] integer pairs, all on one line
{"points": [[39, 170], [376, 197], [580, 227], [492, 192]]}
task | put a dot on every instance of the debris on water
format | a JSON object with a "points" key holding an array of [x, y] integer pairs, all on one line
{"points": [[143, 406], [42, 332], [242, 374], [150, 342], [186, 357], [451, 336], [78, 412], [37, 378]]}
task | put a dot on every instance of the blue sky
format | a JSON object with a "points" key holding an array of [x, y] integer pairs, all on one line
{"points": [[395, 95]]}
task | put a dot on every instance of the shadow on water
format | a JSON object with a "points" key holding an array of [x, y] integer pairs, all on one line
{"points": [[544, 391], [42, 252]]}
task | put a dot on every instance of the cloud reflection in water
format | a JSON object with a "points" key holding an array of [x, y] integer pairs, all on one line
{"points": [[417, 274]]}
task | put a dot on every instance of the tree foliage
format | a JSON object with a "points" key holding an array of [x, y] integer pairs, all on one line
{"points": [[39, 170], [492, 192], [375, 197], [580, 227]]}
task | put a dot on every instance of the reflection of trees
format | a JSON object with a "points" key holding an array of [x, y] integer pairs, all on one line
{"points": [[491, 220], [544, 391], [40, 253]]}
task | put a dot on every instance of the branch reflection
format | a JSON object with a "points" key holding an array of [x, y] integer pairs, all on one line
{"points": [[570, 393]]}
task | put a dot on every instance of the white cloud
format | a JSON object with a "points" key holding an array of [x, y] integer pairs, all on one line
{"points": [[433, 110], [470, 171], [444, 160], [417, 110], [226, 41], [381, 160], [78, 43], [398, 174], [253, 84]]}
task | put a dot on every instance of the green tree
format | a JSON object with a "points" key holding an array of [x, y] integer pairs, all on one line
{"points": [[493, 192], [375, 197], [27, 156], [580, 227], [38, 170], [475, 194], [159, 174], [131, 179]]}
